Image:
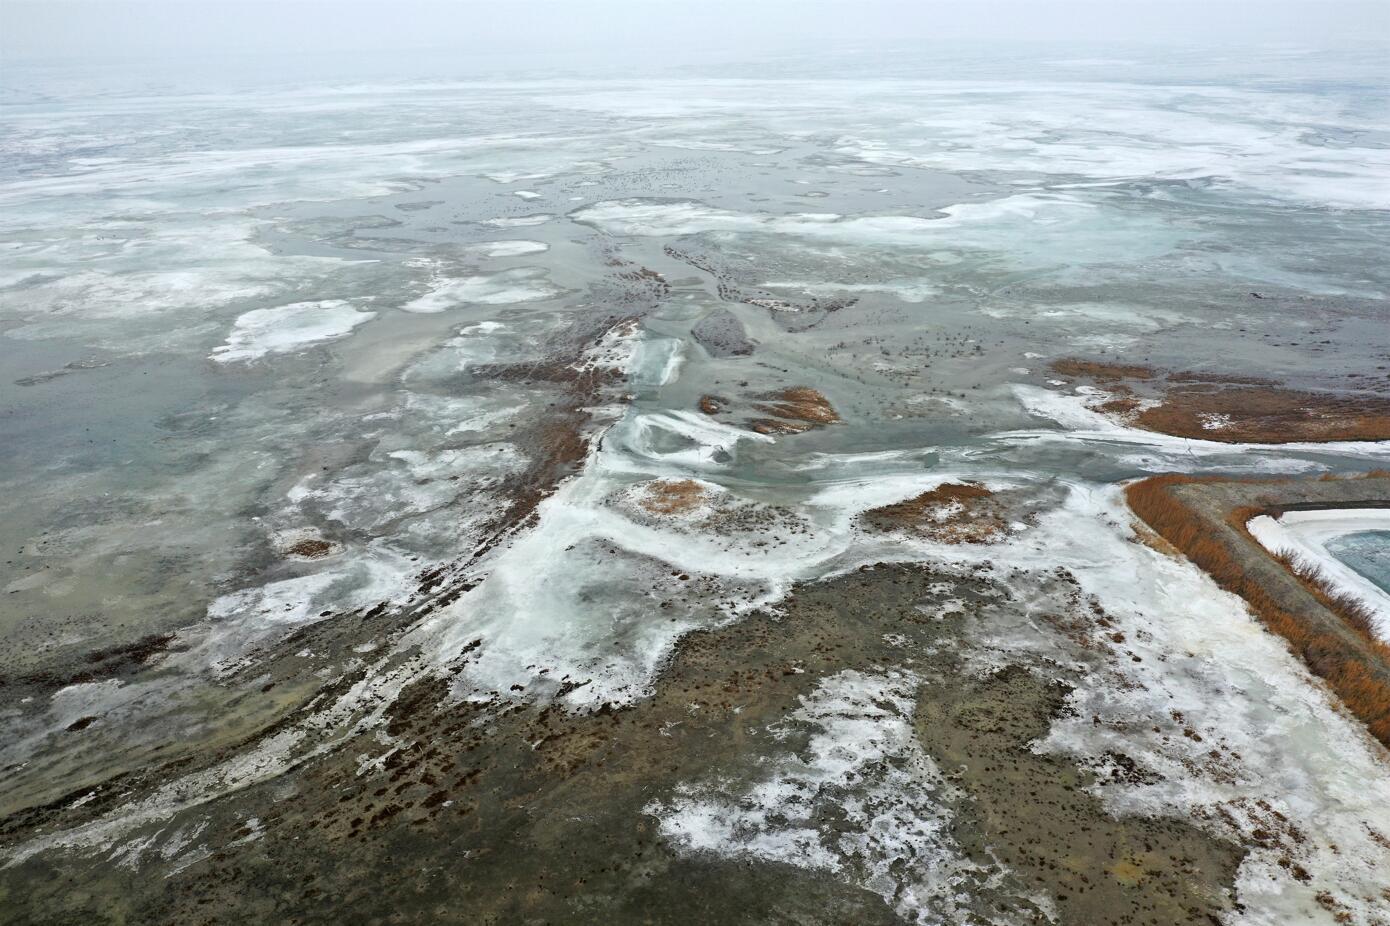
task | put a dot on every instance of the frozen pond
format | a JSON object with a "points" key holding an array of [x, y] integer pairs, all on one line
{"points": [[1347, 545]]}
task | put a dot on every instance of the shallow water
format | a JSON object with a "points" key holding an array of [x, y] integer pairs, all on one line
{"points": [[235, 321]]}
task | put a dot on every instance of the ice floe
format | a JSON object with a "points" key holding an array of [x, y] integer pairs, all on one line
{"points": [[513, 248], [288, 328], [524, 284]]}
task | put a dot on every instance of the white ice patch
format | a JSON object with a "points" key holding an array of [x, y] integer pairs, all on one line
{"points": [[684, 441], [1266, 142], [288, 328], [521, 221], [374, 495], [904, 290], [657, 361], [861, 800], [359, 582], [1028, 229], [462, 414], [655, 218], [524, 284], [1118, 315], [512, 248], [1304, 535]]}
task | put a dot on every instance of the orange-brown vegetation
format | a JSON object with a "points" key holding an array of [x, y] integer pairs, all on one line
{"points": [[951, 513], [1355, 666], [711, 404], [1350, 609], [1121, 406], [1232, 408], [801, 403], [1266, 415], [672, 496], [1102, 371]]}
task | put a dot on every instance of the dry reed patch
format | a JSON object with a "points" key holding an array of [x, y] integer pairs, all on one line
{"points": [[951, 513], [801, 403], [1355, 667], [1266, 414], [673, 496], [1121, 406], [1232, 408], [1353, 610], [1102, 371]]}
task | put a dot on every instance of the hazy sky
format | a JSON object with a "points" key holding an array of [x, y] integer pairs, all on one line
{"points": [[616, 30]]}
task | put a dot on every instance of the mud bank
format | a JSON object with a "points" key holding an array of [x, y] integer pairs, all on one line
{"points": [[502, 811]]}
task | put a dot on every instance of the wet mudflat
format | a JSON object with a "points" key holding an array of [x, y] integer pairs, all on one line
{"points": [[503, 811]]}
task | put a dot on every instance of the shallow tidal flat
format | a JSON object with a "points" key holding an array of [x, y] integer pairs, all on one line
{"points": [[699, 500], [555, 809]]}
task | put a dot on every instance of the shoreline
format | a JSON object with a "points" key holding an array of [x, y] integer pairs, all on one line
{"points": [[1205, 518]]}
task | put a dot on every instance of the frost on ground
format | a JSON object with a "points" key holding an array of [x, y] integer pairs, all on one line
{"points": [[1239, 736], [851, 793]]}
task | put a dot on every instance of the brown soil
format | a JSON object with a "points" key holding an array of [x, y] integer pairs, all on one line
{"points": [[665, 496], [1205, 519], [794, 410], [559, 441], [1195, 376], [1230, 408], [98, 665], [950, 513]]}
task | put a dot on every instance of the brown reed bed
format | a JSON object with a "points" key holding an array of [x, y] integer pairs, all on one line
{"points": [[1232, 409], [954, 512]]}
